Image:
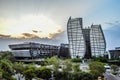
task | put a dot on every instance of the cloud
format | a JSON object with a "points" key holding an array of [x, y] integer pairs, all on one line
{"points": [[28, 35], [52, 36], [35, 35], [57, 39], [113, 24], [55, 35], [35, 31], [2, 36], [39, 25]]}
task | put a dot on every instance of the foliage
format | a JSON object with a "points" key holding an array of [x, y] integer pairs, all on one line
{"points": [[7, 55], [0, 73], [62, 75], [76, 60], [82, 76], [19, 67], [29, 74], [43, 72], [115, 61], [95, 74], [114, 68], [76, 67], [103, 58], [70, 69], [29, 71], [66, 73], [53, 61], [68, 65], [97, 68], [6, 69]]}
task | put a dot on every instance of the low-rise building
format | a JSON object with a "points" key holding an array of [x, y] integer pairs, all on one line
{"points": [[115, 53], [64, 51], [32, 50]]}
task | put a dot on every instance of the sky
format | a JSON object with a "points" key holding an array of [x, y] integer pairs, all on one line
{"points": [[45, 21]]}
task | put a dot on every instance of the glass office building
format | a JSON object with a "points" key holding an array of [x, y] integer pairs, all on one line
{"points": [[85, 42], [97, 40], [75, 37]]}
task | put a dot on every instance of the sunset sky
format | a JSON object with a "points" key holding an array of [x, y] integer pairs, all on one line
{"points": [[45, 21]]}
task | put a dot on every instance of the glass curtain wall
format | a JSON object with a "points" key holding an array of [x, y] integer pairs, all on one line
{"points": [[97, 40], [75, 37]]}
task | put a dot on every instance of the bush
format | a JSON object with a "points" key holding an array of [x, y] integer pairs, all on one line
{"points": [[76, 60], [7, 55], [6, 69], [82, 76], [29, 74], [61, 75], [96, 69], [43, 72], [114, 73]]}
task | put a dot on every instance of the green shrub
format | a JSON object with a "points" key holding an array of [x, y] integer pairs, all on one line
{"points": [[76, 60]]}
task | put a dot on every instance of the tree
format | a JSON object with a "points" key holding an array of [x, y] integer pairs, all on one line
{"points": [[67, 69], [95, 74], [6, 69], [0, 73], [68, 65], [76, 60], [7, 55], [19, 67], [43, 72], [29, 71], [82, 76], [53, 61], [103, 58], [62, 75], [76, 67], [97, 68], [29, 74], [114, 68]]}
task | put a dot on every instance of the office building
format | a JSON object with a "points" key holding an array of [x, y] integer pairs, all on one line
{"points": [[32, 50], [114, 54], [64, 51], [85, 42]]}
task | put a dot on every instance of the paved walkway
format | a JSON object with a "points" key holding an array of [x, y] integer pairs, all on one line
{"points": [[117, 77], [110, 77]]}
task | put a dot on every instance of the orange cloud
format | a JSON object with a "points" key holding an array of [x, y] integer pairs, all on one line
{"points": [[28, 35], [53, 35], [33, 34], [4, 36]]}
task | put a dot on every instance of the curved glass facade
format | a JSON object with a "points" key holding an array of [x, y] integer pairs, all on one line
{"points": [[97, 40], [75, 37], [85, 42]]}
